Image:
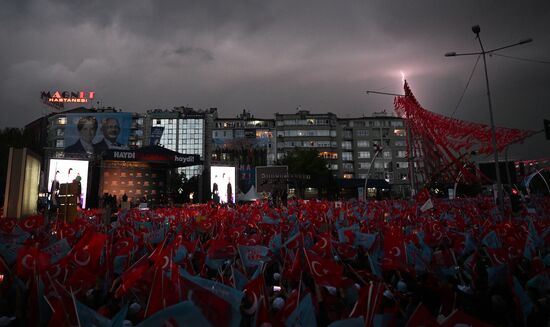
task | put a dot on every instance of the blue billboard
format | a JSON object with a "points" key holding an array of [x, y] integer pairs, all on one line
{"points": [[95, 133]]}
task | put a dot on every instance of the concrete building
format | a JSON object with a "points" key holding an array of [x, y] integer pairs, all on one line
{"points": [[187, 131], [244, 142]]}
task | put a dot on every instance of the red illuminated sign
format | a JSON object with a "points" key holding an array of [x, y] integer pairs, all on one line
{"points": [[67, 97]]}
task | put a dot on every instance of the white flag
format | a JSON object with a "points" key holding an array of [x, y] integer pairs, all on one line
{"points": [[427, 205]]}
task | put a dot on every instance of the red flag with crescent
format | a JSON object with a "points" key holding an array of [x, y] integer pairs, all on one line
{"points": [[30, 260]]}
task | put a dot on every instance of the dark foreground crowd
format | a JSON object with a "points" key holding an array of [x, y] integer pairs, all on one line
{"points": [[310, 263]]}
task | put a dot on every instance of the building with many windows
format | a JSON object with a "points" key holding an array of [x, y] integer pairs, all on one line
{"points": [[187, 131], [374, 147], [307, 130], [244, 142], [355, 148]]}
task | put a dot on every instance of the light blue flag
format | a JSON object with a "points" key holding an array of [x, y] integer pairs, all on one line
{"points": [[268, 220], [497, 275], [252, 256], [118, 319], [154, 237], [239, 279], [275, 243], [119, 264], [375, 265], [491, 240], [89, 317], [180, 253], [303, 315], [540, 282], [229, 294], [58, 250], [182, 314], [364, 240], [341, 232], [469, 244], [526, 303], [382, 320], [9, 252], [533, 235], [353, 322]]}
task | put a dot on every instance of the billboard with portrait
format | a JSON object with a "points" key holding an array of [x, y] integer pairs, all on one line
{"points": [[97, 132], [222, 184], [65, 171]]}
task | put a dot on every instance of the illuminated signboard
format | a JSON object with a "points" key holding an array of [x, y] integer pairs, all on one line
{"points": [[222, 184], [65, 171], [67, 97]]}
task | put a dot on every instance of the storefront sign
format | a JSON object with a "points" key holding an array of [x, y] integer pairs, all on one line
{"points": [[67, 96]]}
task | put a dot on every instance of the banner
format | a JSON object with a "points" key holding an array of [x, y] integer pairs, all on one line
{"points": [[97, 132], [156, 135]]}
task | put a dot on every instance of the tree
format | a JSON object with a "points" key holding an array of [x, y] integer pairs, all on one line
{"points": [[181, 187], [308, 162]]}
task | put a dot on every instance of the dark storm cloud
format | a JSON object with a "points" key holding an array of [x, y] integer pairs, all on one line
{"points": [[272, 56]]}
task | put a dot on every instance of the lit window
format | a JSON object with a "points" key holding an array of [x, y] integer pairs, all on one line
{"points": [[347, 156], [363, 154], [62, 121], [59, 143], [363, 144], [363, 132], [400, 143], [399, 132], [348, 176]]}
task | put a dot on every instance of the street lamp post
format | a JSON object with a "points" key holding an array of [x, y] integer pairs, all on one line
{"points": [[378, 150], [476, 29]]}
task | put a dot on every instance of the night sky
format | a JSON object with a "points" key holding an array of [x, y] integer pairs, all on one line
{"points": [[273, 56]]}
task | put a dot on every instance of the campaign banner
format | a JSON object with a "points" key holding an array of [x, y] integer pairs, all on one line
{"points": [[156, 155], [156, 135], [95, 133]]}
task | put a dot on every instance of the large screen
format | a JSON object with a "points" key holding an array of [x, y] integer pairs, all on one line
{"points": [[97, 132], [222, 184], [65, 171]]}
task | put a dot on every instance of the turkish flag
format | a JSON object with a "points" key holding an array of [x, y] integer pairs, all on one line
{"points": [[30, 260], [81, 280], [87, 252], [63, 307], [32, 223], [7, 225], [293, 269], [324, 271], [323, 247], [291, 304], [370, 297], [123, 246], [221, 249], [394, 250], [132, 275]]}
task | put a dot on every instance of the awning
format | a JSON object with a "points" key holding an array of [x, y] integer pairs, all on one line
{"points": [[156, 154]]}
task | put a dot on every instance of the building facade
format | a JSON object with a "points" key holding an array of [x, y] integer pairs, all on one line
{"points": [[244, 142], [185, 130]]}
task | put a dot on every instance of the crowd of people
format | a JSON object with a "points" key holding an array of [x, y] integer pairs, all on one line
{"points": [[306, 263]]}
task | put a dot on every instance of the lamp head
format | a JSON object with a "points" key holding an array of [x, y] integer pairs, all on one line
{"points": [[525, 41], [450, 54], [476, 29]]}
